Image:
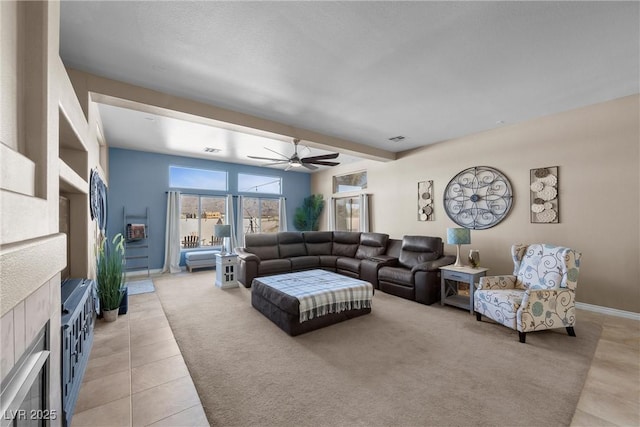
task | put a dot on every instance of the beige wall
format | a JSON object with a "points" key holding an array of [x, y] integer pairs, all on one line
{"points": [[39, 160], [597, 150]]}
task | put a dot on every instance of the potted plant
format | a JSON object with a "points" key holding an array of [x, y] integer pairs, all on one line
{"points": [[307, 216], [110, 276]]}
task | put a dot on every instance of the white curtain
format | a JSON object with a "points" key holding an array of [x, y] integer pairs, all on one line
{"points": [[172, 234], [283, 214], [240, 229], [231, 220], [364, 212], [330, 214]]}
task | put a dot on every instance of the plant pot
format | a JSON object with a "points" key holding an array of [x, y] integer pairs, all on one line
{"points": [[110, 315]]}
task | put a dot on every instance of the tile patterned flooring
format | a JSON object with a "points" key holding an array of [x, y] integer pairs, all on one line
{"points": [[136, 375]]}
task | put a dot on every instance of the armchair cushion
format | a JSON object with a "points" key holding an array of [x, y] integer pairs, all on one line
{"points": [[500, 305], [497, 282]]}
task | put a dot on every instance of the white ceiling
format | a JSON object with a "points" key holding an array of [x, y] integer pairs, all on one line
{"points": [[359, 71], [136, 130]]}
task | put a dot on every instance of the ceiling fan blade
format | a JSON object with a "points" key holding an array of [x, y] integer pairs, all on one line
{"points": [[289, 167], [279, 154], [310, 167], [268, 158], [276, 163], [319, 162], [321, 157]]}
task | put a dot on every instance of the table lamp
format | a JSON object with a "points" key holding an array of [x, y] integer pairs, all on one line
{"points": [[224, 231], [458, 236]]}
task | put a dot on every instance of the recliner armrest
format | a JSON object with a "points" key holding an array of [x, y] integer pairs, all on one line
{"points": [[384, 260], [435, 264], [246, 256]]}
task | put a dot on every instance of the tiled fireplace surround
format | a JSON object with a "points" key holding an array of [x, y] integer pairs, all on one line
{"points": [[20, 326], [22, 320]]}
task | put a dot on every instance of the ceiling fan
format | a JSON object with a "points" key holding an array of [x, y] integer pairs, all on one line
{"points": [[295, 161]]}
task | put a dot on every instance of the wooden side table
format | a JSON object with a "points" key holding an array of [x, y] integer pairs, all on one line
{"points": [[459, 274], [226, 274]]}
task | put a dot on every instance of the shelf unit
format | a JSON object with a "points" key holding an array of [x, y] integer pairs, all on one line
{"points": [[136, 233]]}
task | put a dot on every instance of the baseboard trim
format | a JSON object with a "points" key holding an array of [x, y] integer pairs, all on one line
{"points": [[609, 311]]}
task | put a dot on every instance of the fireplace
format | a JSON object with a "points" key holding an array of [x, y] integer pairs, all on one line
{"points": [[24, 396]]}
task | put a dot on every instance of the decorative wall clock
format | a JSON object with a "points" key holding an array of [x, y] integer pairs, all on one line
{"points": [[478, 198], [98, 200]]}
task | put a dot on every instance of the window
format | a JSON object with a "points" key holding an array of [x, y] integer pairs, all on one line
{"points": [[198, 215], [348, 210], [259, 184], [351, 182], [200, 179], [347, 214], [260, 215]]}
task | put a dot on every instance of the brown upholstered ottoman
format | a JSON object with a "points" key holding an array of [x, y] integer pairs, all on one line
{"points": [[307, 300]]}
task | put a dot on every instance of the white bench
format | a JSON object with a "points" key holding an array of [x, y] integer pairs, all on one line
{"points": [[200, 259]]}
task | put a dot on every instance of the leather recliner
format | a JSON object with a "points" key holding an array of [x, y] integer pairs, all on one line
{"points": [[416, 275]]}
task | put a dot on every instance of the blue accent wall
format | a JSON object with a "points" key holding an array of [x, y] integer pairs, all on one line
{"points": [[139, 180]]}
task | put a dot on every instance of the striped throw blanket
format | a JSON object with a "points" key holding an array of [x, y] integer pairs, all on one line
{"points": [[322, 292]]}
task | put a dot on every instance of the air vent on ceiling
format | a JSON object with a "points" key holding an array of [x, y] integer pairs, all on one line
{"points": [[211, 150], [396, 138]]}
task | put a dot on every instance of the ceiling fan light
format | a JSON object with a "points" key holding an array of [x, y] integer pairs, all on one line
{"points": [[295, 164]]}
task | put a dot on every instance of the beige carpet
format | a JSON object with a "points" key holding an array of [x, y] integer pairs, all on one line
{"points": [[404, 364]]}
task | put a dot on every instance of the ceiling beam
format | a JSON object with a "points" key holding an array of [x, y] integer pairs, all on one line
{"points": [[90, 87]]}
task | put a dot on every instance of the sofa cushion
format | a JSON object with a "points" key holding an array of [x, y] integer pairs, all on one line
{"points": [[291, 244], [274, 266], [318, 242], [398, 275], [328, 261], [372, 244], [349, 264], [345, 243], [264, 245], [418, 249], [304, 262]]}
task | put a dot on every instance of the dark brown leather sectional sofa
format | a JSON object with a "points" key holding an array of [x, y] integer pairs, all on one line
{"points": [[407, 268]]}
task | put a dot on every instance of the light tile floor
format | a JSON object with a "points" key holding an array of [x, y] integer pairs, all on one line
{"points": [[611, 393], [136, 375]]}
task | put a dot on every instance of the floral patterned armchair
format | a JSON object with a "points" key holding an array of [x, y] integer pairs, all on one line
{"points": [[539, 295]]}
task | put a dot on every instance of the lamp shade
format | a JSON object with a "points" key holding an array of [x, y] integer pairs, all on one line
{"points": [[458, 236], [222, 230]]}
